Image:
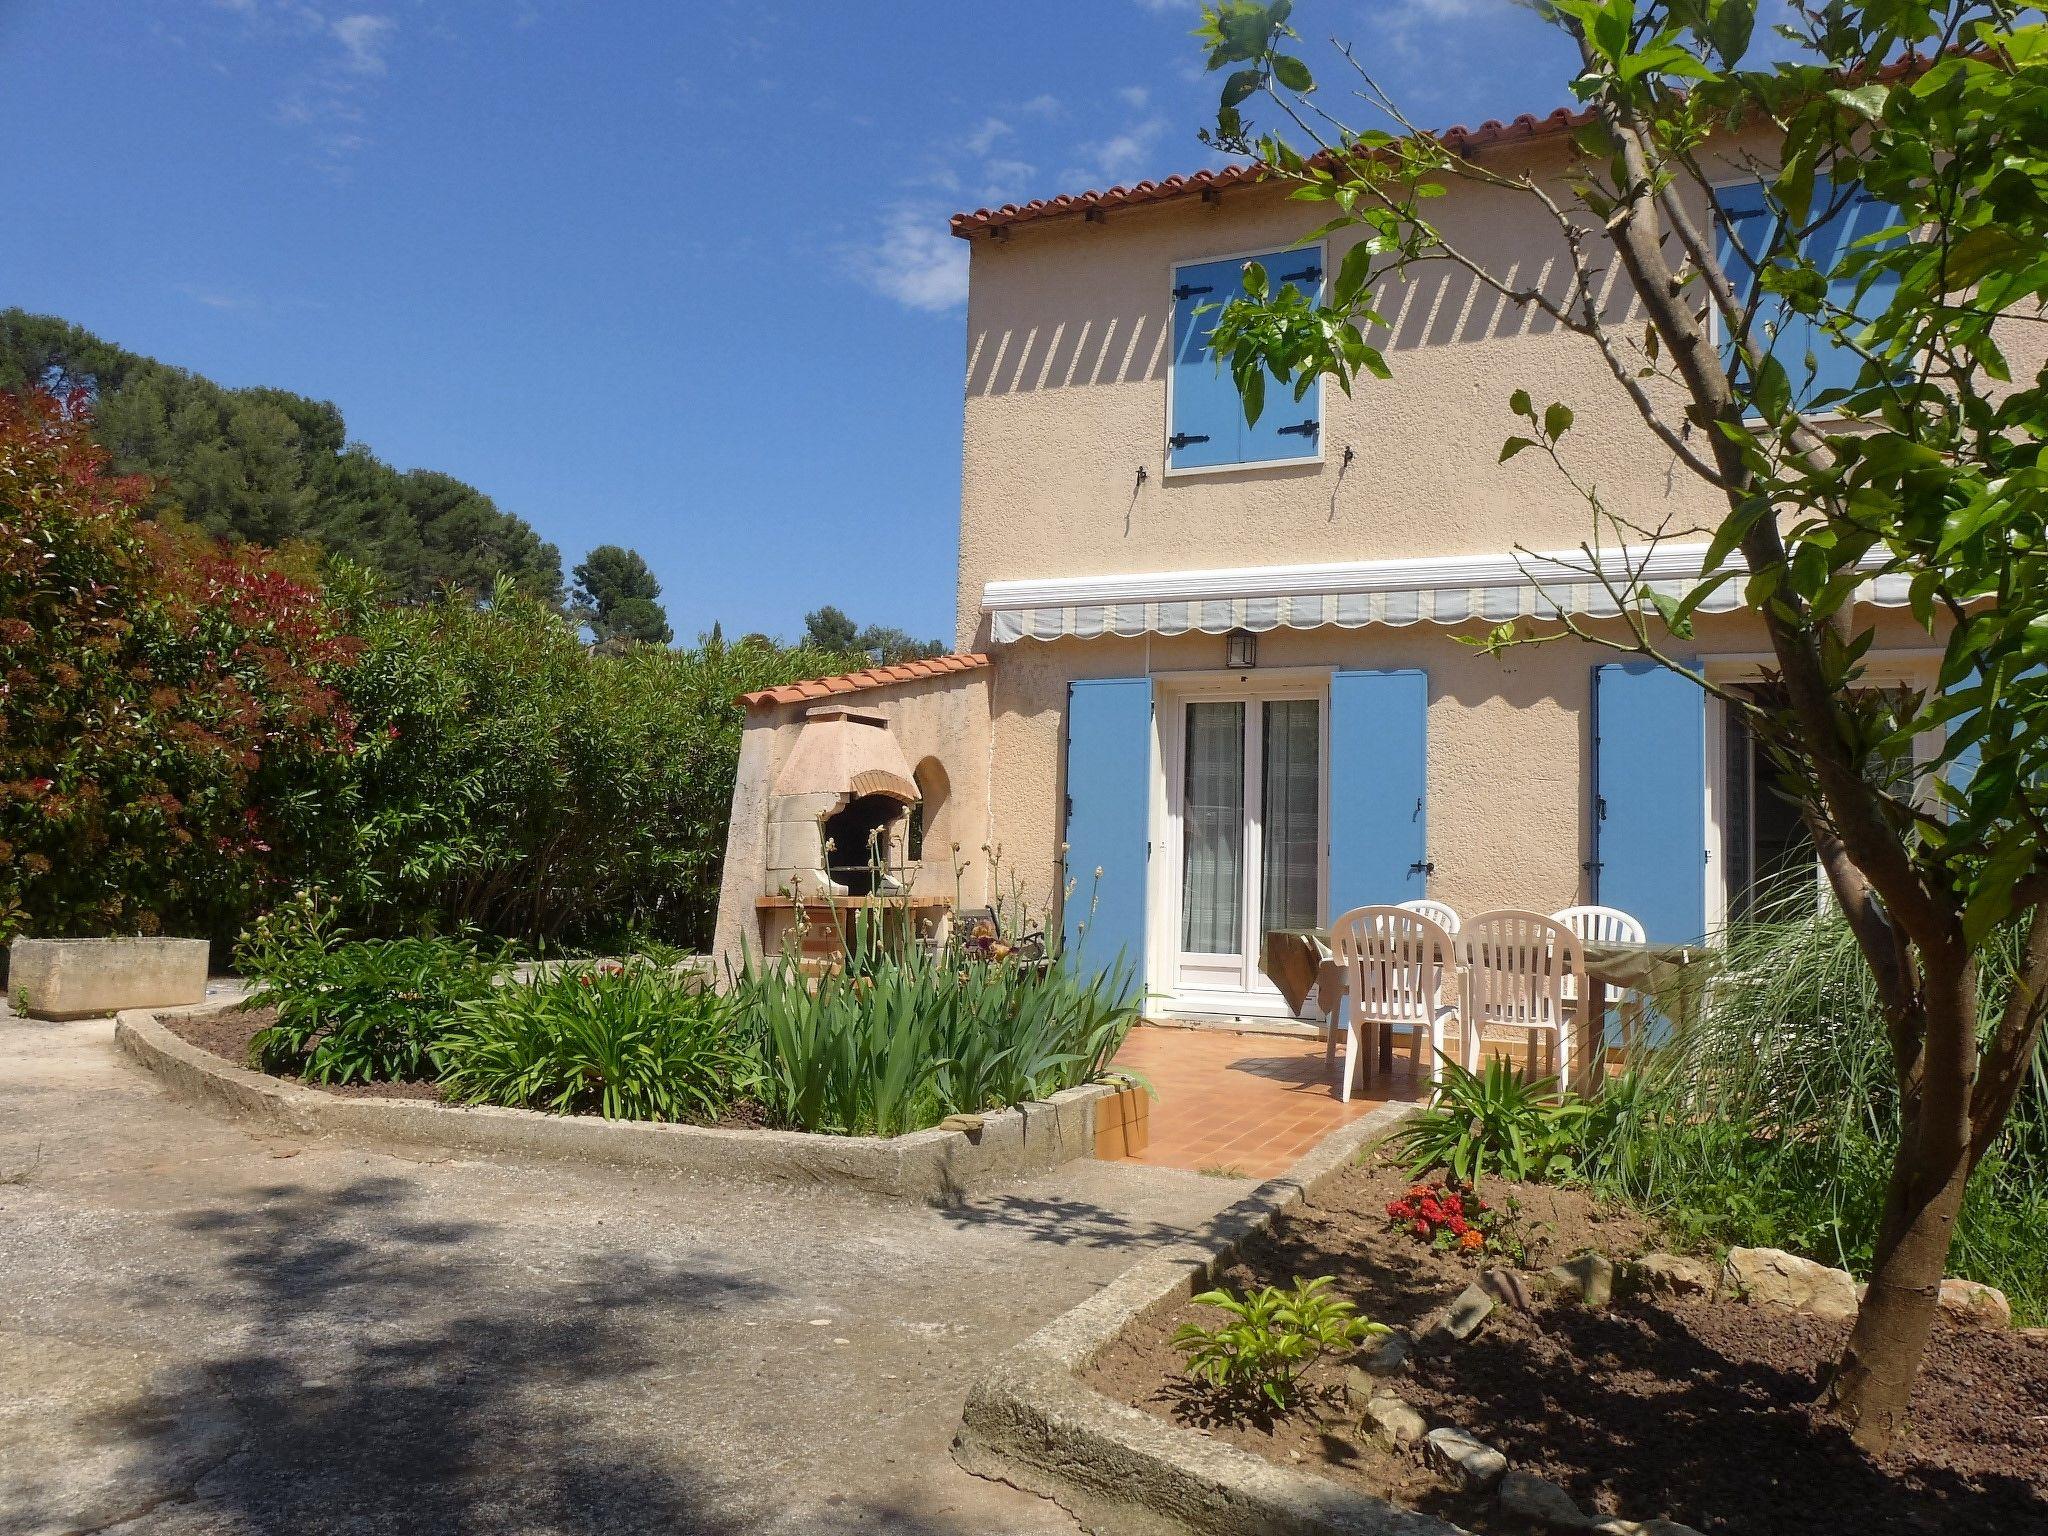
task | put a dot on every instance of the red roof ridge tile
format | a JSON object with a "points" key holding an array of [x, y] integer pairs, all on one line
{"points": [[1526, 125], [867, 677]]}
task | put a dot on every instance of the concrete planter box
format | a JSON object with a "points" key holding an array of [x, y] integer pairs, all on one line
{"points": [[964, 1154], [95, 978]]}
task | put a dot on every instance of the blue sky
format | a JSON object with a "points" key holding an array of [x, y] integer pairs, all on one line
{"points": [[673, 275]]}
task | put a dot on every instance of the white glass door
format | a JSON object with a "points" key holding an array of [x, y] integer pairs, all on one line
{"points": [[1246, 805]]}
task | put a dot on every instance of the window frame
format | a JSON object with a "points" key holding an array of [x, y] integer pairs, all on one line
{"points": [[1321, 251]]}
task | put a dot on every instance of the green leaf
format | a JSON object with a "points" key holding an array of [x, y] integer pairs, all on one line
{"points": [[1519, 403], [1513, 446], [1239, 86], [1557, 420], [1292, 73]]}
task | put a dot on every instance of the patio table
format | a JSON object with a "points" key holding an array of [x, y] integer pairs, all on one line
{"points": [[1673, 976]]}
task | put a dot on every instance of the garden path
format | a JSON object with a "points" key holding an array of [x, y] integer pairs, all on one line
{"points": [[206, 1327]]}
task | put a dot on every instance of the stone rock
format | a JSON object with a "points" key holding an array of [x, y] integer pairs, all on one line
{"points": [[1471, 1461], [1395, 1420], [1672, 1274], [1970, 1305], [1589, 1278], [1461, 1319], [1537, 1501], [2034, 1335], [1771, 1277], [1389, 1354], [1513, 1288], [1614, 1525]]}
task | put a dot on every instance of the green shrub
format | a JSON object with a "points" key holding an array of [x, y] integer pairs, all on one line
{"points": [[1495, 1121], [1271, 1338], [631, 1042], [368, 1011], [896, 1042], [1770, 1122]]}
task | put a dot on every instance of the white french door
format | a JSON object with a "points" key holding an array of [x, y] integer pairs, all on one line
{"points": [[1245, 845]]}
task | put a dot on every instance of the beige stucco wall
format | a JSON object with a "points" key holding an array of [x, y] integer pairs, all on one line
{"points": [[943, 719]]}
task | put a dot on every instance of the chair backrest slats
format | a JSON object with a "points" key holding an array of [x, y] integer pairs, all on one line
{"points": [[1396, 962], [1602, 925], [1522, 967], [1436, 912]]}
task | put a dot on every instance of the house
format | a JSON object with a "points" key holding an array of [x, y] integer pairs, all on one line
{"points": [[1222, 664]]}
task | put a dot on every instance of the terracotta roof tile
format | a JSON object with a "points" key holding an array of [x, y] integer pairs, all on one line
{"points": [[869, 677], [1460, 137], [1492, 131]]}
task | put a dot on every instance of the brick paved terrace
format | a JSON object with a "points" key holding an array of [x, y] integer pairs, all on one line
{"points": [[1245, 1104]]}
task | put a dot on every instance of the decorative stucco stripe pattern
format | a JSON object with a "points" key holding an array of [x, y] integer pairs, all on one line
{"points": [[1395, 592]]}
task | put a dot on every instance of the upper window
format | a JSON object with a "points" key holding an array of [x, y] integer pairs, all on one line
{"points": [[1205, 421], [1813, 359]]}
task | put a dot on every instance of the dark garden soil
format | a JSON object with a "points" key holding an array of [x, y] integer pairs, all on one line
{"points": [[1696, 1411], [227, 1034]]}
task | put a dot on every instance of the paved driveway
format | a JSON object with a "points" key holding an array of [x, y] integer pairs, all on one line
{"points": [[207, 1329]]}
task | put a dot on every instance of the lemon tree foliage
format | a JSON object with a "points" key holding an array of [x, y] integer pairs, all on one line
{"points": [[1860, 405]]}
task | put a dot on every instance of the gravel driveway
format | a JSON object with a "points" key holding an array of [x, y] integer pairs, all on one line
{"points": [[207, 1329]]}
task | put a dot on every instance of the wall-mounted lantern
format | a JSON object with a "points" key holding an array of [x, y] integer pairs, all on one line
{"points": [[1241, 649]]}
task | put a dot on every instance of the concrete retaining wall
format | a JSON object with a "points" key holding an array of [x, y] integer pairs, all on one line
{"points": [[92, 978], [928, 1165], [1031, 1421]]}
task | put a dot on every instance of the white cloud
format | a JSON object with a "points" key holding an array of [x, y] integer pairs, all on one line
{"points": [[1007, 180], [1162, 7], [914, 260], [363, 39], [983, 138], [1043, 105], [1125, 154]]}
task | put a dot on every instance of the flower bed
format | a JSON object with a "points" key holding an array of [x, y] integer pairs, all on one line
{"points": [[1691, 1409]]}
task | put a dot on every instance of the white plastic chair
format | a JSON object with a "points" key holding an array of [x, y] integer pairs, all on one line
{"points": [[1519, 969], [1395, 963], [1607, 925], [1436, 912]]}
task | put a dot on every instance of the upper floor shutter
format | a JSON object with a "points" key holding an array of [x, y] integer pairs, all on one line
{"points": [[1206, 426], [1812, 359]]}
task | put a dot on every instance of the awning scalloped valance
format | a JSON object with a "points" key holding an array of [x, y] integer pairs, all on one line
{"points": [[1457, 590]]}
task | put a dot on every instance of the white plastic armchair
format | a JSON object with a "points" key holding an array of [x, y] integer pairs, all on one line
{"points": [[1436, 912], [1397, 964], [1520, 968], [1607, 925]]}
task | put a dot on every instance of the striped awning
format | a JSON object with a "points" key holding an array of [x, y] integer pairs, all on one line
{"points": [[1458, 590]]}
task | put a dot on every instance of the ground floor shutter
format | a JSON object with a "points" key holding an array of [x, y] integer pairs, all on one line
{"points": [[1378, 788], [1109, 780], [1649, 798]]}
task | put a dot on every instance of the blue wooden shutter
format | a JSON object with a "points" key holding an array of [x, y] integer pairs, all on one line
{"points": [[1650, 798], [1109, 796], [1812, 359], [1208, 417], [1378, 788], [1750, 220], [1208, 426], [1287, 428]]}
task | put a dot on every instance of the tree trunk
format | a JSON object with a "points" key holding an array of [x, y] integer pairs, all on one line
{"points": [[1930, 1169], [1874, 1379]]}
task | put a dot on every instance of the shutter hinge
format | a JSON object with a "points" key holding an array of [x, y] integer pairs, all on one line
{"points": [[1308, 274], [1189, 290], [1591, 866], [1599, 807], [1422, 867], [1183, 439], [1302, 429]]}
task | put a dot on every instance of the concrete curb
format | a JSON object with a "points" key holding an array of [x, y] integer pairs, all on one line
{"points": [[934, 1165], [1031, 1422]]}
